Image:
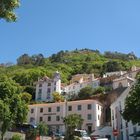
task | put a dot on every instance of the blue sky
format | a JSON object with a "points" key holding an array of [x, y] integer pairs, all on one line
{"points": [[48, 26]]}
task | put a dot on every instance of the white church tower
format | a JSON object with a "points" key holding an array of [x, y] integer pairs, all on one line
{"points": [[45, 87]]}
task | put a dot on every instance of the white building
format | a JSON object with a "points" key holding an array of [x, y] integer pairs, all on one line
{"points": [[123, 79], [122, 82], [125, 129], [53, 113], [116, 73], [80, 81], [46, 86]]}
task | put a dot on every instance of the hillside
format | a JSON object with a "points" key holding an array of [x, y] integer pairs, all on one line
{"points": [[29, 68]]}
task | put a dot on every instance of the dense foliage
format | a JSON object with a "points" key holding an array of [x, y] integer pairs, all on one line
{"points": [[30, 68], [57, 97], [72, 122], [132, 104], [13, 107], [89, 93], [7, 8], [118, 55], [40, 130], [16, 137]]}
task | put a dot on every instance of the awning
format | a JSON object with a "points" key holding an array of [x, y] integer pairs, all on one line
{"points": [[107, 130]]}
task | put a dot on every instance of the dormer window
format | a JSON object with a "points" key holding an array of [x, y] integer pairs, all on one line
{"points": [[40, 85], [120, 85], [48, 90], [49, 84]]}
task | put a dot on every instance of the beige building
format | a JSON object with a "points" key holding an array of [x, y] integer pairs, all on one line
{"points": [[82, 78], [53, 113]]}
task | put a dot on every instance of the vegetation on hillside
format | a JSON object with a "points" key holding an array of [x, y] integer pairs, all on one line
{"points": [[30, 68]]}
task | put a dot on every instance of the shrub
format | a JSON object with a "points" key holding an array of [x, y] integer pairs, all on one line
{"points": [[16, 137]]}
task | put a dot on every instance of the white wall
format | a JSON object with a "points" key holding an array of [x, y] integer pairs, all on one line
{"points": [[54, 87], [117, 120], [95, 111]]}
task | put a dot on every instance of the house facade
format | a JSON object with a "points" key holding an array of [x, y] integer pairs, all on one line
{"points": [[53, 113], [122, 82], [46, 86], [80, 81], [123, 128]]}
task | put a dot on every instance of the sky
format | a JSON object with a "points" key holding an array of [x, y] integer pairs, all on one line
{"points": [[48, 26]]}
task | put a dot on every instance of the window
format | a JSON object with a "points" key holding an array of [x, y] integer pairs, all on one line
{"points": [[58, 109], [69, 108], [98, 107], [127, 134], [40, 91], [120, 85], [49, 84], [89, 107], [39, 95], [89, 128], [79, 107], [130, 75], [49, 109], [49, 118], [48, 90], [54, 83], [32, 119], [54, 88], [89, 117], [120, 106], [40, 85], [41, 119], [32, 110], [57, 118], [112, 117], [95, 84], [41, 110], [98, 117], [48, 96], [126, 124]]}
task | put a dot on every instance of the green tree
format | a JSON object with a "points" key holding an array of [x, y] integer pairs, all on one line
{"points": [[19, 109], [111, 66], [38, 60], [72, 122], [42, 129], [85, 93], [16, 137], [7, 8], [5, 117], [24, 59], [57, 97], [99, 90], [12, 108], [132, 104], [26, 97]]}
